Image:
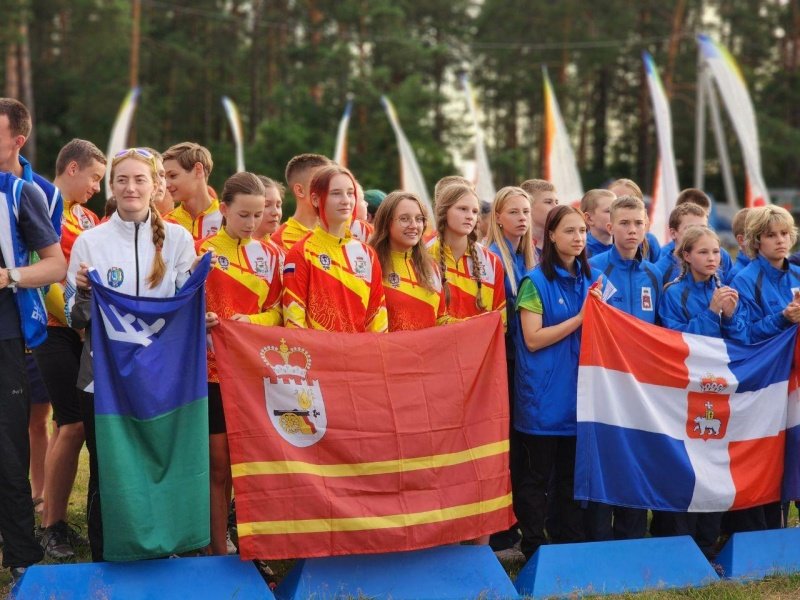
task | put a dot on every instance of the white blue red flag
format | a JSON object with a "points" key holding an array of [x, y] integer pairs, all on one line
{"points": [[677, 421]]}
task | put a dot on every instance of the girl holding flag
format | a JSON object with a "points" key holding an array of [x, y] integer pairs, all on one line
{"points": [[244, 285], [551, 303], [414, 295], [332, 281], [138, 254], [472, 276]]}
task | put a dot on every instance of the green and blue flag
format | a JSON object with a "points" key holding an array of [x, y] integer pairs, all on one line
{"points": [[151, 419]]}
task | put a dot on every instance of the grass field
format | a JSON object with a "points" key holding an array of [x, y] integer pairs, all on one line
{"points": [[784, 587]]}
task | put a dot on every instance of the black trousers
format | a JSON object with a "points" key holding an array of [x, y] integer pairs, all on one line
{"points": [[703, 527], [546, 456], [16, 506], [605, 522], [93, 516]]}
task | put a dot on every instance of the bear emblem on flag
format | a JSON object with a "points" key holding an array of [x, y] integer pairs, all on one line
{"points": [[709, 409], [294, 404]]}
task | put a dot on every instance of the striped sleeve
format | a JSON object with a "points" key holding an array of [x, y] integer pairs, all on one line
{"points": [[296, 275]]}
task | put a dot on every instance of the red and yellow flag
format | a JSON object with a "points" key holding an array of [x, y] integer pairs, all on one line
{"points": [[361, 443]]}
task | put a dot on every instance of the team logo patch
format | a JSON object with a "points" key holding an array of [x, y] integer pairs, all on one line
{"points": [[325, 261], [86, 222], [360, 267], [294, 404], [260, 266], [223, 262], [709, 409], [115, 277], [394, 279], [647, 299]]}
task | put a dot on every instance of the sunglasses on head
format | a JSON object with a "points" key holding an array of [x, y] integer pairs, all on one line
{"points": [[130, 151]]}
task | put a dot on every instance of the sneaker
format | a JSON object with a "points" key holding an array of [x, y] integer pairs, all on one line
{"points": [[56, 541], [266, 573], [232, 549], [75, 537]]}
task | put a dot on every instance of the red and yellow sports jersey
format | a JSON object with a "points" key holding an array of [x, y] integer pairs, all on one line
{"points": [[207, 222], [290, 233], [361, 230], [411, 305], [75, 220], [333, 284], [246, 280], [464, 289]]}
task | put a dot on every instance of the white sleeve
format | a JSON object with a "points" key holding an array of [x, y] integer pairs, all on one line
{"points": [[184, 256]]}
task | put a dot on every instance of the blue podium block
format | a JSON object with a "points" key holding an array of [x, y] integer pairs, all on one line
{"points": [[442, 572], [615, 567], [211, 577], [755, 554]]}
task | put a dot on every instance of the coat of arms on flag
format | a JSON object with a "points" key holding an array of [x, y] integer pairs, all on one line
{"points": [[294, 405]]}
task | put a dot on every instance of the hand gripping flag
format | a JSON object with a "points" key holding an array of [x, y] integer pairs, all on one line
{"points": [[365, 443], [151, 419], [676, 421]]}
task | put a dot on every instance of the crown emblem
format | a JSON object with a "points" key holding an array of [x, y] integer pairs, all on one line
{"points": [[712, 384], [285, 361]]}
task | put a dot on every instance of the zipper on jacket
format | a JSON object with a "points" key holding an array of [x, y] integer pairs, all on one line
{"points": [[136, 252]]}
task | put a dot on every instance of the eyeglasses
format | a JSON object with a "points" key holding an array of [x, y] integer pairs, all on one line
{"points": [[131, 151], [407, 220]]}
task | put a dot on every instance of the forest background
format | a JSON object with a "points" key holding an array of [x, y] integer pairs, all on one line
{"points": [[291, 65]]}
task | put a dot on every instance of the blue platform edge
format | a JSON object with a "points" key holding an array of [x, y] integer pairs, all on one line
{"points": [[443, 572], [211, 577], [756, 554], [615, 567]]}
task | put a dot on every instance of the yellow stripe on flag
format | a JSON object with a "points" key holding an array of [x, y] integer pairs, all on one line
{"points": [[366, 523], [402, 465]]}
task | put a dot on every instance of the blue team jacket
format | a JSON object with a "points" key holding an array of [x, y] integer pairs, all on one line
{"points": [[546, 381], [595, 247], [637, 281], [742, 260], [684, 307], [764, 292], [668, 264]]}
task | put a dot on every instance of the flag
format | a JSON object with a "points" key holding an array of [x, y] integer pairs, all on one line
{"points": [[560, 167], [340, 151], [677, 421], [235, 121], [411, 179], [791, 469], [733, 92], [665, 188], [119, 133], [365, 443], [151, 419], [484, 186]]}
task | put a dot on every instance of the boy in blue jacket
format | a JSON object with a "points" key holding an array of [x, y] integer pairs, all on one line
{"points": [[633, 285], [681, 218], [596, 208]]}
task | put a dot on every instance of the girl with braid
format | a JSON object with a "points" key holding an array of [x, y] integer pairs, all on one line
{"points": [[696, 301], [139, 254], [472, 277]]}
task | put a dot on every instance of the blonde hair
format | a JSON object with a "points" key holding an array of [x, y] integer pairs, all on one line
{"points": [[422, 261], [627, 202], [449, 196], [688, 241], [591, 198], [760, 220], [534, 186], [636, 191], [738, 222], [449, 180], [159, 267], [188, 154], [495, 235]]}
